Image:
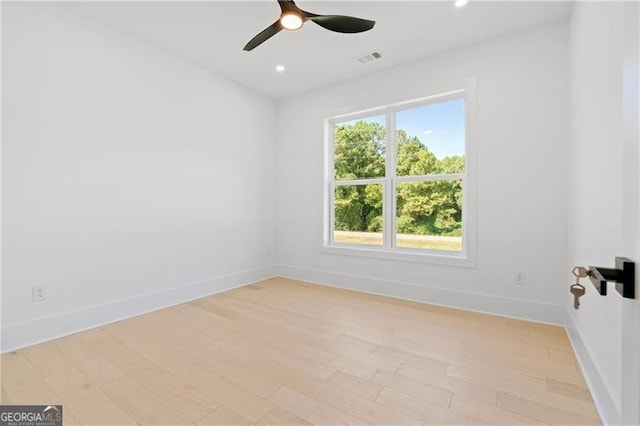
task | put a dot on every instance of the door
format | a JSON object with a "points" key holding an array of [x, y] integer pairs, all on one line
{"points": [[630, 403]]}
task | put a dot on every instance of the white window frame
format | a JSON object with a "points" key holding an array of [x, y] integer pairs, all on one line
{"points": [[389, 249]]}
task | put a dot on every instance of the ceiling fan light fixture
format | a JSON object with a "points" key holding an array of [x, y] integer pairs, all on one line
{"points": [[460, 3], [291, 21], [292, 18]]}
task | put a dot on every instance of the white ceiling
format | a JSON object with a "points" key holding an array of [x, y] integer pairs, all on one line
{"points": [[212, 35]]}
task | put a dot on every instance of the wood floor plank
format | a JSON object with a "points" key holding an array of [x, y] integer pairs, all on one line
{"points": [[202, 320], [415, 388], [87, 402], [17, 369], [354, 343], [255, 383], [148, 325], [429, 413], [487, 413], [280, 416], [201, 355], [541, 412], [329, 416], [141, 404], [308, 311], [233, 397], [555, 334], [222, 416], [38, 393], [373, 359], [562, 354], [282, 318], [91, 335], [284, 352], [502, 381], [309, 343], [368, 411], [541, 368], [355, 385], [116, 351], [352, 367], [4, 397], [47, 359], [414, 359], [165, 318], [184, 398], [567, 389], [453, 385], [98, 368], [243, 323], [561, 402], [324, 393], [299, 404]]}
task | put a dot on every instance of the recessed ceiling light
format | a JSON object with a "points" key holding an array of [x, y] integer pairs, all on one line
{"points": [[460, 3], [280, 68]]}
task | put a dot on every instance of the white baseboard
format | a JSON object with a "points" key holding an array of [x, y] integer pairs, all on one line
{"points": [[609, 413], [25, 334], [470, 301]]}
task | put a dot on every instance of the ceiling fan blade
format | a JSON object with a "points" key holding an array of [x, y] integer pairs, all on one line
{"points": [[341, 24], [265, 35], [287, 5]]}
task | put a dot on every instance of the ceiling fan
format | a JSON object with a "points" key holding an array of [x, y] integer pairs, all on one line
{"points": [[292, 18]]}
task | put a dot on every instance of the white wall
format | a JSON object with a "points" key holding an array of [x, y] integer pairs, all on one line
{"points": [[130, 178], [595, 187], [522, 130]]}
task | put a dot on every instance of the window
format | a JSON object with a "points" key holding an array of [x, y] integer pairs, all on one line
{"points": [[399, 182]]}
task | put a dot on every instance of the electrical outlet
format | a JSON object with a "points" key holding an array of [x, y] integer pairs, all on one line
{"points": [[520, 278], [38, 292]]}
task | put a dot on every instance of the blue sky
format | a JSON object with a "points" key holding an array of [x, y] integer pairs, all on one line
{"points": [[439, 126]]}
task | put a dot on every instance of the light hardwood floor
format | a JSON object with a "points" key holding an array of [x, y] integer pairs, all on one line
{"points": [[286, 352]]}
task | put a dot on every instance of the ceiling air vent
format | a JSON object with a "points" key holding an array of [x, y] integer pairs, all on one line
{"points": [[370, 57]]}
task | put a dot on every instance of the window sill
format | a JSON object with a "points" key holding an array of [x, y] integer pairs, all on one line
{"points": [[432, 257]]}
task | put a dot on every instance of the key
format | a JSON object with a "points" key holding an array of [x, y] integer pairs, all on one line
{"points": [[578, 291], [580, 272]]}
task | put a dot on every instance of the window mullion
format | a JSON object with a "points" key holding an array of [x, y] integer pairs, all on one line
{"points": [[329, 181], [367, 181], [430, 178], [389, 213], [331, 217]]}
